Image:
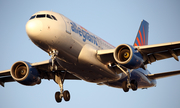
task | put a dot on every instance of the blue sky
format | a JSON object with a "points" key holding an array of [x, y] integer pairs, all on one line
{"points": [[117, 22]]}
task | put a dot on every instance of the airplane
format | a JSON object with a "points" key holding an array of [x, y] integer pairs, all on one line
{"points": [[78, 54]]}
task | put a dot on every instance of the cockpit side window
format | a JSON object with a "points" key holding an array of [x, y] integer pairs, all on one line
{"points": [[54, 17], [41, 16], [48, 16], [32, 17]]}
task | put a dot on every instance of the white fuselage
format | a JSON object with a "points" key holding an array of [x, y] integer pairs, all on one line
{"points": [[76, 46]]}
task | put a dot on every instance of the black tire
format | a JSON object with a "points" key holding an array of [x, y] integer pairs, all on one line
{"points": [[66, 95], [124, 85], [134, 85], [57, 97]]}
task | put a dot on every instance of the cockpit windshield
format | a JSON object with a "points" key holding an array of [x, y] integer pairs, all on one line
{"points": [[32, 17], [48, 16], [43, 16], [54, 17]]}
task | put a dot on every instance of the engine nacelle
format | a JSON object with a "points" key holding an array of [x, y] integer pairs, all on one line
{"points": [[24, 73], [126, 55]]}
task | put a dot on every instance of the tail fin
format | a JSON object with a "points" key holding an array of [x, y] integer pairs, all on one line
{"points": [[142, 35]]}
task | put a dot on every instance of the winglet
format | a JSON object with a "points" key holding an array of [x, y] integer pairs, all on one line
{"points": [[142, 35]]}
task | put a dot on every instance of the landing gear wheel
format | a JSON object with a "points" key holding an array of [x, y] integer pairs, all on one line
{"points": [[124, 85], [57, 97], [134, 85], [66, 95]]}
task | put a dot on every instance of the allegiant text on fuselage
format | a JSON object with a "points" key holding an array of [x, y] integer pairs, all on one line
{"points": [[84, 34]]}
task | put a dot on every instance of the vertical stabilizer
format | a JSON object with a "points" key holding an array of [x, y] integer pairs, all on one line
{"points": [[142, 35]]}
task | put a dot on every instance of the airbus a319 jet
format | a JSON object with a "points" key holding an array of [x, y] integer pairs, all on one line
{"points": [[78, 54]]}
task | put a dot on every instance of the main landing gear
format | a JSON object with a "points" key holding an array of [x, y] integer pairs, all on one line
{"points": [[133, 85], [129, 83], [62, 94]]}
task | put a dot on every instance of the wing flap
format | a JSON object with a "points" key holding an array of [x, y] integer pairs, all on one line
{"points": [[152, 53], [5, 76], [5, 79], [163, 75], [162, 55]]}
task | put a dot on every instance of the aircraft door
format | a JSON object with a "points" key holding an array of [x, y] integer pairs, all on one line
{"points": [[68, 25], [73, 48]]}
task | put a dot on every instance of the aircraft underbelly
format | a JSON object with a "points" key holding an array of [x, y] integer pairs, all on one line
{"points": [[89, 73], [142, 80]]}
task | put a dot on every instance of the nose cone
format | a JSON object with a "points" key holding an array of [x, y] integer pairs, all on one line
{"points": [[33, 28]]}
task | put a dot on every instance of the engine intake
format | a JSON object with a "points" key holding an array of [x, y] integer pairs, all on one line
{"points": [[127, 56], [24, 73]]}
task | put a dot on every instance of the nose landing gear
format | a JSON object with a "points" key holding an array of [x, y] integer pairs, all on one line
{"points": [[59, 78], [53, 55], [59, 96]]}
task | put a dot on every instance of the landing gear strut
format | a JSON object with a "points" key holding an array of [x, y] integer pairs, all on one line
{"points": [[62, 94], [129, 83], [127, 74], [53, 55], [59, 79]]}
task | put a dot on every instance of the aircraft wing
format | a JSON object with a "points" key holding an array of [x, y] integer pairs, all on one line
{"points": [[5, 76], [163, 75], [160, 51], [150, 53], [43, 70]]}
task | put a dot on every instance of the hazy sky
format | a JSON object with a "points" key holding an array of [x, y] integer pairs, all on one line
{"points": [[116, 21]]}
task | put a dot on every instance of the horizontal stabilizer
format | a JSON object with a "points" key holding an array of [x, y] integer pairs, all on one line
{"points": [[163, 75]]}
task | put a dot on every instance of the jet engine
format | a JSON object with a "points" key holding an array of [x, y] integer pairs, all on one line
{"points": [[127, 56], [25, 74]]}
